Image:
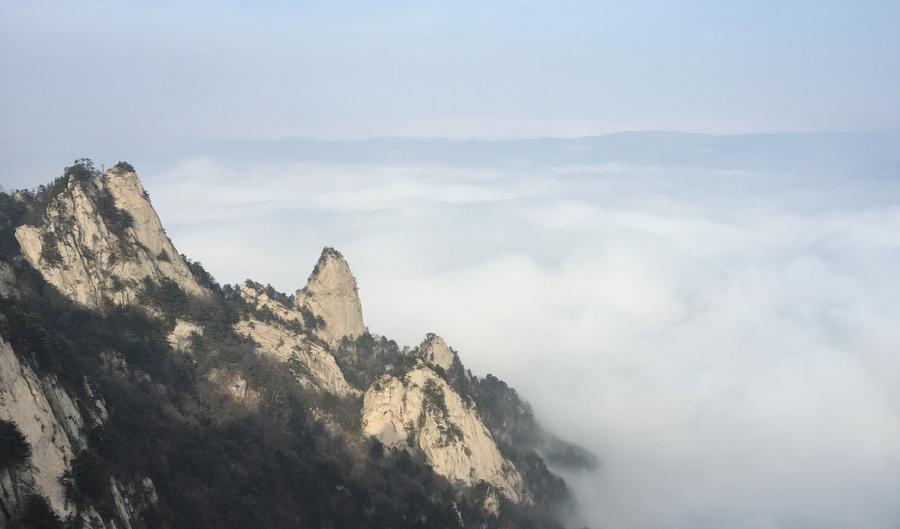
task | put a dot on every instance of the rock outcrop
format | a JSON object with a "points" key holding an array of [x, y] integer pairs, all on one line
{"points": [[181, 336], [51, 423], [257, 297], [55, 426], [420, 411], [278, 331], [312, 364], [100, 237], [435, 351], [331, 294]]}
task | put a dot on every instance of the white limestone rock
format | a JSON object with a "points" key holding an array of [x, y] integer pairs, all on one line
{"points": [[51, 424], [407, 412], [262, 301], [314, 365], [332, 295], [54, 427], [85, 257], [435, 351], [181, 335]]}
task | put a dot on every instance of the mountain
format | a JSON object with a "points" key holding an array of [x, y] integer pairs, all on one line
{"points": [[137, 392]]}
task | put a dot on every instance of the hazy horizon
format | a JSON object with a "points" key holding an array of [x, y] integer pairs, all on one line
{"points": [[98, 72]]}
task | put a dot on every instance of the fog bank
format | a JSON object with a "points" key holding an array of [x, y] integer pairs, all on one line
{"points": [[718, 320]]}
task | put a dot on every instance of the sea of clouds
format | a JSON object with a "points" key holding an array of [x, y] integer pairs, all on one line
{"points": [[724, 334]]}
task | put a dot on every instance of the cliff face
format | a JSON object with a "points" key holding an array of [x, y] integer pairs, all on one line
{"points": [[436, 352], [421, 411], [99, 238], [55, 427], [331, 294], [313, 365], [282, 336], [53, 437]]}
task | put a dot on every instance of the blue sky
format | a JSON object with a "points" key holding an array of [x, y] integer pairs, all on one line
{"points": [[103, 72]]}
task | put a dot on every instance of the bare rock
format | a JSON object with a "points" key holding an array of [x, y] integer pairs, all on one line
{"points": [[317, 368], [332, 295], [421, 411], [87, 247]]}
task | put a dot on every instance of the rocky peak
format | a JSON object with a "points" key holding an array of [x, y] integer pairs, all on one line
{"points": [[420, 411], [332, 295], [100, 237], [436, 352]]}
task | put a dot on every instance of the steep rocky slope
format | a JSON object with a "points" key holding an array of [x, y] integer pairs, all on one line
{"points": [[99, 237], [55, 428], [316, 367], [54, 431], [436, 352], [288, 332], [148, 395], [331, 295], [419, 410]]}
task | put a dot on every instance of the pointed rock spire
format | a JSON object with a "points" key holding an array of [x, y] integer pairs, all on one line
{"points": [[331, 294], [436, 352]]}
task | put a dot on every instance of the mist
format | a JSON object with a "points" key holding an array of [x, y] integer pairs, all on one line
{"points": [[722, 333]]}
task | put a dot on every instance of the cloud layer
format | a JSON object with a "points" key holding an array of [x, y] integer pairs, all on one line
{"points": [[724, 338]]}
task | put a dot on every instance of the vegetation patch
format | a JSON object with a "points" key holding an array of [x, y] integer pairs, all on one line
{"points": [[117, 220], [37, 514], [435, 402], [50, 248], [14, 448]]}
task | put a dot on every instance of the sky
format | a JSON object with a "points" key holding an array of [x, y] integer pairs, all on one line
{"points": [[96, 73], [714, 314]]}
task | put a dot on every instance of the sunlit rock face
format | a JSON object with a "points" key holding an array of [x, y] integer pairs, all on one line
{"points": [[279, 332], [55, 427], [435, 351], [313, 365], [331, 294], [180, 337], [50, 422], [257, 297], [99, 238], [420, 411]]}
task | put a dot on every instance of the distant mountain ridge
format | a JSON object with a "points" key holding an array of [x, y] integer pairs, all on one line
{"points": [[136, 392], [864, 153]]}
